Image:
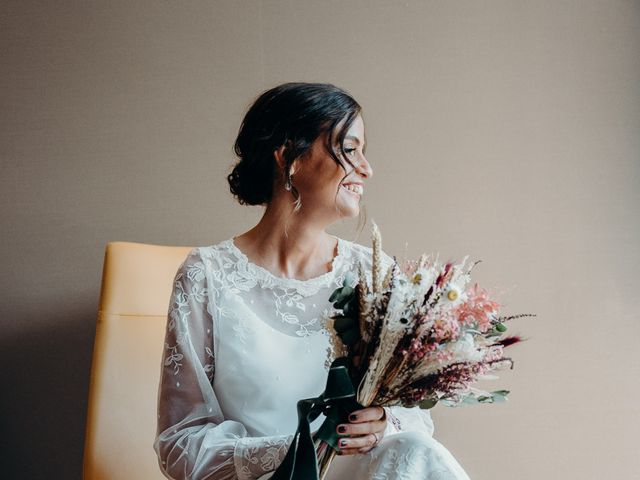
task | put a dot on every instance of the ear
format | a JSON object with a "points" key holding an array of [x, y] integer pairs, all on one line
{"points": [[278, 155]]}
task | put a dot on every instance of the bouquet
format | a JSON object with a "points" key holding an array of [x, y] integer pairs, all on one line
{"points": [[416, 335]]}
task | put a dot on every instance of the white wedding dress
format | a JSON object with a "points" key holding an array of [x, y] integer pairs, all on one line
{"points": [[242, 347]]}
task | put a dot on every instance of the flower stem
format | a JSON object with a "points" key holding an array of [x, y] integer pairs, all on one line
{"points": [[325, 462]]}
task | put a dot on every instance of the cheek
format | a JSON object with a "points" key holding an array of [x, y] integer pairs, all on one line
{"points": [[321, 177], [333, 184], [327, 178]]}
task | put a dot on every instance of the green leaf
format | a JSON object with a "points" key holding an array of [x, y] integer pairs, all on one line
{"points": [[428, 403], [501, 392], [350, 308], [500, 396], [339, 296], [340, 303], [335, 294], [469, 400], [348, 291]]}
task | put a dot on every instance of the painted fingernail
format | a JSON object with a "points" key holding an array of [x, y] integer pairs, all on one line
{"points": [[353, 417], [343, 443], [342, 429]]}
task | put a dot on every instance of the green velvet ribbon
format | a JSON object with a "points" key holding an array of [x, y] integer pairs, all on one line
{"points": [[336, 402]]}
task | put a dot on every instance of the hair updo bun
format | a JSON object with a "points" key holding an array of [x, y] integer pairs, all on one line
{"points": [[294, 114]]}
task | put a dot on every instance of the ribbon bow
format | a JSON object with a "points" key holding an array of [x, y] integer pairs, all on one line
{"points": [[336, 402]]}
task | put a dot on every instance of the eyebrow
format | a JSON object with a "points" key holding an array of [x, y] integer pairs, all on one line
{"points": [[351, 137]]}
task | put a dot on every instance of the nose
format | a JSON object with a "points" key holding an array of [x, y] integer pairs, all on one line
{"points": [[364, 168]]}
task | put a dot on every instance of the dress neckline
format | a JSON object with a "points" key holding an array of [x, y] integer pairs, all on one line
{"points": [[264, 274]]}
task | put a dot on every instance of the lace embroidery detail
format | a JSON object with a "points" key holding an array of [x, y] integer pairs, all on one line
{"points": [[393, 419], [412, 455], [254, 456], [241, 331], [299, 306], [251, 273], [210, 367], [173, 358], [180, 310]]}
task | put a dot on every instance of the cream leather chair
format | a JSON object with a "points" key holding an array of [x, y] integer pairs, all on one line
{"points": [[134, 300]]}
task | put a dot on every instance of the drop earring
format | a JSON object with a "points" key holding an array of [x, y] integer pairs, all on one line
{"points": [[287, 184]]}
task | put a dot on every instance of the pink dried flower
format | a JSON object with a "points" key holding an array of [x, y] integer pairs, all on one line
{"points": [[478, 308], [446, 328]]}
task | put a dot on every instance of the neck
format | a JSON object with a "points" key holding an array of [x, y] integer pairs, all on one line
{"points": [[292, 245]]}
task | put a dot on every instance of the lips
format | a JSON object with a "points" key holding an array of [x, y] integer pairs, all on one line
{"points": [[355, 188]]}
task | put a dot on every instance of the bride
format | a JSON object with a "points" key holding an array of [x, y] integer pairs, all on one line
{"points": [[245, 337]]}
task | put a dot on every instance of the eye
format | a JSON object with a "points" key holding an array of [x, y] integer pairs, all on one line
{"points": [[350, 150]]}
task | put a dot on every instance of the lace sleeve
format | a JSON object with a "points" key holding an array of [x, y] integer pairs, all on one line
{"points": [[401, 419], [193, 440]]}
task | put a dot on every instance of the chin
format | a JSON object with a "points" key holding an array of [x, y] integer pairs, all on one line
{"points": [[348, 204], [349, 211]]}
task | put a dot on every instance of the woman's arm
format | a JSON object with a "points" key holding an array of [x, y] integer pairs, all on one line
{"points": [[401, 419], [193, 440]]}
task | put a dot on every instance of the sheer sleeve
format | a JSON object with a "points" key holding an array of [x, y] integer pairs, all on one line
{"points": [[193, 440], [401, 419]]}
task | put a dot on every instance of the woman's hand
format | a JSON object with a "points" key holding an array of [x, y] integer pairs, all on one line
{"points": [[365, 430]]}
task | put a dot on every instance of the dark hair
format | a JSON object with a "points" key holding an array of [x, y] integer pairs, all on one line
{"points": [[293, 114]]}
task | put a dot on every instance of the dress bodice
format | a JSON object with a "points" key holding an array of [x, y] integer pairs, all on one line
{"points": [[270, 342], [242, 346]]}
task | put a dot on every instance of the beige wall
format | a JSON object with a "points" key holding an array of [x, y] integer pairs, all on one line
{"points": [[508, 130]]}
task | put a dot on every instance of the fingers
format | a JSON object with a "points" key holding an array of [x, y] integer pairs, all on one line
{"points": [[364, 431], [354, 451], [368, 420], [362, 428], [368, 440], [367, 414]]}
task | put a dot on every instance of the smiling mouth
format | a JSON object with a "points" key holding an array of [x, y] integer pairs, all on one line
{"points": [[356, 192]]}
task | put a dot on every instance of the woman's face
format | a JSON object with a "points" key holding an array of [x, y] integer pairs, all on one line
{"points": [[317, 177]]}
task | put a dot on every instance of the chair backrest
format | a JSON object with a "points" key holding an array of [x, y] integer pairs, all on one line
{"points": [[121, 419]]}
